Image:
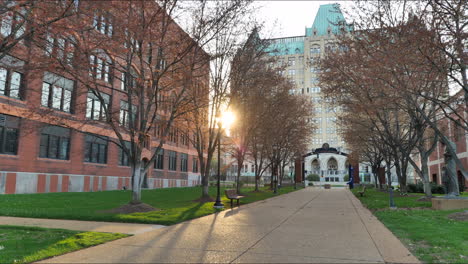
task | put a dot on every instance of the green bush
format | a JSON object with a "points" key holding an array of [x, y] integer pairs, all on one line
{"points": [[346, 178], [419, 188], [313, 177], [311, 184]]}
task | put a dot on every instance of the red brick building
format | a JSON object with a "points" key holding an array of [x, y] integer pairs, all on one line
{"points": [[36, 154], [460, 138]]}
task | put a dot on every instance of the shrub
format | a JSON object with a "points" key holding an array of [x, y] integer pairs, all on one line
{"points": [[346, 178], [437, 189], [415, 188], [313, 177], [311, 184]]}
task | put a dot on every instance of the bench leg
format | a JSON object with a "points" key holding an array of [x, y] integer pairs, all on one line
{"points": [[237, 202], [231, 203]]}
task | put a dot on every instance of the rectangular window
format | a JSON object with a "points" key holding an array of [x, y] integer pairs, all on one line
{"points": [[159, 161], [123, 156], [125, 118], [100, 68], [95, 149], [172, 160], [9, 133], [103, 24], [13, 23], [95, 105], [194, 164], [10, 83], [62, 48], [55, 143], [292, 61], [7, 24], [183, 162], [57, 92]]}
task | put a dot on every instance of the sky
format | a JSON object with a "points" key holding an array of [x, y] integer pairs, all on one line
{"points": [[289, 18]]}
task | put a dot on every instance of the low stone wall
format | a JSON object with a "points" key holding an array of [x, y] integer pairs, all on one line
{"points": [[27, 182], [442, 203]]}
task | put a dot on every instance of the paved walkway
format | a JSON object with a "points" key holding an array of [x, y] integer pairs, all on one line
{"points": [[311, 226], [110, 227]]}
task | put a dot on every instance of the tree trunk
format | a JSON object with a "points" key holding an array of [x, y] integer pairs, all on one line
{"points": [[136, 187], [425, 175], [238, 178]]}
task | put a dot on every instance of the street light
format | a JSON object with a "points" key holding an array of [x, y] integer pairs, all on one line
{"points": [[224, 120]]}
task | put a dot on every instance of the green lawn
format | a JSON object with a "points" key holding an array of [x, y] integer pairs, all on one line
{"points": [[176, 203], [375, 199], [27, 244], [429, 234]]}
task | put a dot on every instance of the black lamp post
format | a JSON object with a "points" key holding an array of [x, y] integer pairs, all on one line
{"points": [[218, 204]]}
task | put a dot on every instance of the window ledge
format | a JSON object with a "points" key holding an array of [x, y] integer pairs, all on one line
{"points": [[53, 160], [95, 164], [45, 108], [11, 156], [12, 99], [120, 166]]}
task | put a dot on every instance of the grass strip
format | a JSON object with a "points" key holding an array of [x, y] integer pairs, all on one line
{"points": [[19, 244], [429, 234], [176, 204]]}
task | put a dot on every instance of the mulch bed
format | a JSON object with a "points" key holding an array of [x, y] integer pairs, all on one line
{"points": [[460, 216], [131, 208], [424, 199]]}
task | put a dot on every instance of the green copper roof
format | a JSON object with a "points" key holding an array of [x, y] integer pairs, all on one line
{"points": [[286, 46], [328, 17]]}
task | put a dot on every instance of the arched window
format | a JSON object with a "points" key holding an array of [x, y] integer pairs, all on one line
{"points": [[314, 50]]}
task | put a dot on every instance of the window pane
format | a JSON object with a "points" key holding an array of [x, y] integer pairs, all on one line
{"points": [[106, 72], [89, 108], [3, 79], [64, 148], [67, 98], [102, 154], [99, 69], [43, 146], [94, 152], [49, 44], [96, 110], [11, 140], [6, 24], [45, 94], [53, 147], [56, 97], [15, 84], [60, 48], [123, 117], [87, 157], [1, 139]]}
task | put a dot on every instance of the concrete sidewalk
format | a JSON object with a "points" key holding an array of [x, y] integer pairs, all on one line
{"points": [[309, 226], [109, 227]]}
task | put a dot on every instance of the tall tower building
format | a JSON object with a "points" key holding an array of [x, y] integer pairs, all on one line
{"points": [[301, 54]]}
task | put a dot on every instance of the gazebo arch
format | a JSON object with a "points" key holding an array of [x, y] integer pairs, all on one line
{"points": [[316, 166], [332, 164]]}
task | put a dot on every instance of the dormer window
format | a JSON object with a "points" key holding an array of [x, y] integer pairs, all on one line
{"points": [[315, 32], [328, 30]]}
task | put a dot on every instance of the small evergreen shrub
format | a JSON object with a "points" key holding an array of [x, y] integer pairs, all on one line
{"points": [[313, 177]]}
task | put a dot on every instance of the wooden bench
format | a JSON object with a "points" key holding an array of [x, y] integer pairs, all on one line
{"points": [[232, 194], [361, 192]]}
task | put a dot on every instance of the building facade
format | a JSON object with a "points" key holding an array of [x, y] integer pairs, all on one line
{"points": [[300, 55], [38, 156]]}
